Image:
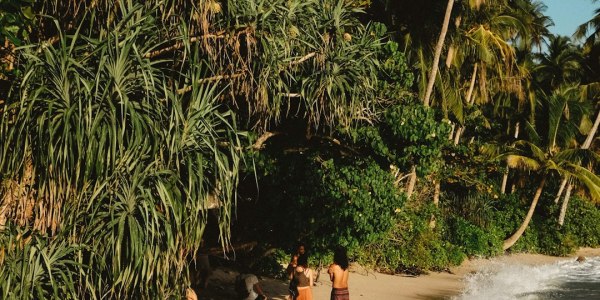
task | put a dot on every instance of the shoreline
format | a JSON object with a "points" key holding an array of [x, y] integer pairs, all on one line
{"points": [[369, 285]]}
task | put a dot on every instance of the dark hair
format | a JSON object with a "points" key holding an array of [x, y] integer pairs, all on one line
{"points": [[340, 257], [303, 260], [300, 244]]}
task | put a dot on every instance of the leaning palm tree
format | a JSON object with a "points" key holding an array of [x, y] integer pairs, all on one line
{"points": [[438, 52], [590, 91], [550, 154], [528, 156]]}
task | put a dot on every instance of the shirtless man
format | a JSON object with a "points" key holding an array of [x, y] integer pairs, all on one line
{"points": [[338, 273]]}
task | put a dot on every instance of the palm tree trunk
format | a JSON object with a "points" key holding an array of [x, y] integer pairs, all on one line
{"points": [[504, 181], [438, 53], [561, 189], [505, 176], [436, 201], [459, 131], [590, 137], [412, 181], [472, 86], [509, 242], [586, 145], [563, 208]]}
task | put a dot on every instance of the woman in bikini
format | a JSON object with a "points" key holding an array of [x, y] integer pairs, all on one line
{"points": [[338, 273]]}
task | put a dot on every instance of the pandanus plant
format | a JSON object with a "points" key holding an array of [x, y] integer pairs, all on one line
{"points": [[121, 167]]}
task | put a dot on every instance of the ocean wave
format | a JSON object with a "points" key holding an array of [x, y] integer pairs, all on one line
{"points": [[560, 280]]}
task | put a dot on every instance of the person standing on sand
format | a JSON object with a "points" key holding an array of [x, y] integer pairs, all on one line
{"points": [[338, 273], [300, 250], [304, 277]]}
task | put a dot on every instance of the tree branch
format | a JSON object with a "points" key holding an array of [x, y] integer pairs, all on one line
{"points": [[181, 44], [209, 79], [263, 138], [303, 59], [291, 95]]}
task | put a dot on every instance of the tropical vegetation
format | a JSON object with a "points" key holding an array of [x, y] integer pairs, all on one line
{"points": [[135, 135]]}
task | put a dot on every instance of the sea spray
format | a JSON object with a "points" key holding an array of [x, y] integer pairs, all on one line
{"points": [[566, 279]]}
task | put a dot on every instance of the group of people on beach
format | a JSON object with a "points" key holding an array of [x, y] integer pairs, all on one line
{"points": [[302, 277]]}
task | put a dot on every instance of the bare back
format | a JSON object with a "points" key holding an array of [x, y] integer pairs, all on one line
{"points": [[338, 276]]}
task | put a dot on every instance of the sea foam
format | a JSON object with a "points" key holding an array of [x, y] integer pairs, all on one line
{"points": [[500, 281]]}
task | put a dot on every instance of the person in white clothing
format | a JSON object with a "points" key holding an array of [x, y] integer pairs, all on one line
{"points": [[253, 288]]}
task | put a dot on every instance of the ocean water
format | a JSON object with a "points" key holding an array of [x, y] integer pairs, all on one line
{"points": [[566, 279]]}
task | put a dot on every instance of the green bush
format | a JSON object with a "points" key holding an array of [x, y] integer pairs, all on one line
{"points": [[329, 202], [473, 240], [409, 135], [412, 246], [582, 222]]}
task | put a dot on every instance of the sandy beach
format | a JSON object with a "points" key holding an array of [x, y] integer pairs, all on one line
{"points": [[368, 285]]}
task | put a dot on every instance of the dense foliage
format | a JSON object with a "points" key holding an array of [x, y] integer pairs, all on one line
{"points": [[135, 132], [328, 202], [407, 135]]}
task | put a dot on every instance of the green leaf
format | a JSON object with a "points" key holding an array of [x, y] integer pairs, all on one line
{"points": [[27, 12]]}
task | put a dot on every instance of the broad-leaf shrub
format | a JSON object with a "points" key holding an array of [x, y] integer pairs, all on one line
{"points": [[329, 202], [582, 223], [412, 246], [408, 135], [472, 239]]}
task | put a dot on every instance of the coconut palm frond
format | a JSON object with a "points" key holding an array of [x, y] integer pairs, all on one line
{"points": [[522, 162], [593, 25], [588, 178], [531, 149], [582, 157]]}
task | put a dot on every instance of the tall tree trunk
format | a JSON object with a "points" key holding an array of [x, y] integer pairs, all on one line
{"points": [[472, 86], [563, 208], [436, 201], [412, 181], [438, 53], [505, 175], [561, 189], [459, 131], [586, 145], [504, 181], [592, 134], [509, 242]]}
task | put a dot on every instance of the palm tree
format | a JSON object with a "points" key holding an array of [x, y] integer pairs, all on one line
{"points": [[550, 153], [560, 64], [530, 157], [438, 53], [589, 30], [586, 145]]}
